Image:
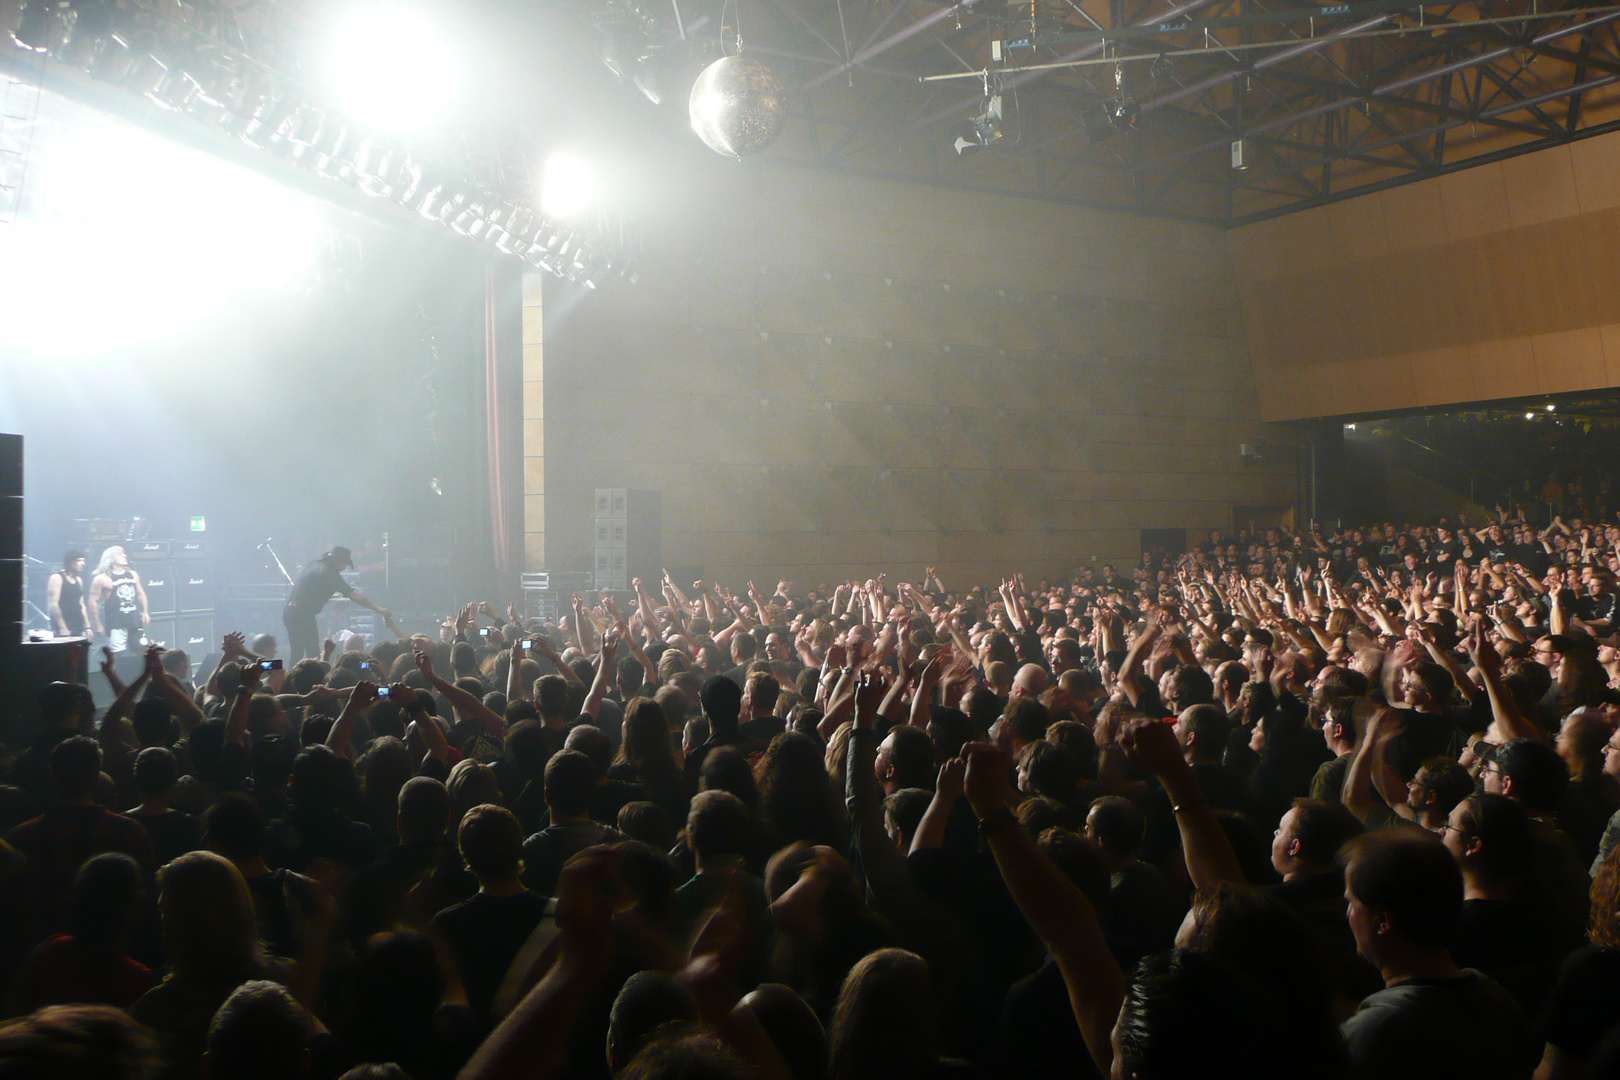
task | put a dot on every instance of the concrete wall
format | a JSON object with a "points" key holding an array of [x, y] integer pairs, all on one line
{"points": [[1500, 281], [828, 374]]}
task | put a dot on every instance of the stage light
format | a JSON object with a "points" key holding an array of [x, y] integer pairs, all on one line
{"points": [[568, 185], [1529, 416], [1551, 407], [390, 68], [162, 236]]}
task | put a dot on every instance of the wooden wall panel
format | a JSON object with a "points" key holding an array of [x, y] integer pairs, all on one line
{"points": [[1492, 282], [828, 373]]}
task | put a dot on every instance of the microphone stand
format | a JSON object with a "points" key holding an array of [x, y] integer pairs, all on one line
{"points": [[277, 558]]}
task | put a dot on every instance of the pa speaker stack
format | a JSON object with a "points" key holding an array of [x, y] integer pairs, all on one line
{"points": [[11, 542], [629, 537]]}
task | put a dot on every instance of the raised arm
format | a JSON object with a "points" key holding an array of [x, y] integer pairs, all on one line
{"points": [[237, 721], [1360, 796], [1204, 844], [1056, 908], [125, 703], [1507, 722], [604, 664], [468, 706], [546, 649], [1130, 671], [947, 789], [515, 690], [361, 698]]}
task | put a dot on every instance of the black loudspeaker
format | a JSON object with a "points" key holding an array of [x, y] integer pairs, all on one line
{"points": [[193, 585], [11, 466], [12, 579], [157, 578], [202, 672], [29, 668], [194, 632], [162, 631], [126, 665], [11, 527]]}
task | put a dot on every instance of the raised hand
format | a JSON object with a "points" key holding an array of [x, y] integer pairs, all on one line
{"points": [[985, 781], [1151, 744], [233, 645], [870, 689], [952, 779], [424, 663]]}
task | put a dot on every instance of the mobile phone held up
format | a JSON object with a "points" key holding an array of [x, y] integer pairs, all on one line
{"points": [[484, 631], [269, 665], [384, 692]]}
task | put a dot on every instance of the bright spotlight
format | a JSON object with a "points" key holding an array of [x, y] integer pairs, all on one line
{"points": [[567, 187], [1529, 416], [161, 235], [389, 68], [1551, 407]]}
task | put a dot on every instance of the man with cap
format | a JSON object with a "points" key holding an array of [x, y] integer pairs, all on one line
{"points": [[317, 584]]}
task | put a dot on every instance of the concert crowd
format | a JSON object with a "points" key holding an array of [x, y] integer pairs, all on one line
{"points": [[1335, 804]]}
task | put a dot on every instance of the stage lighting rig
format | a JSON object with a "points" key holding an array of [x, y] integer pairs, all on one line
{"points": [[637, 47], [351, 101], [984, 129]]}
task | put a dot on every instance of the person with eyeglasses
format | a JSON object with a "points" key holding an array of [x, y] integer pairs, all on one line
{"points": [[1508, 929]]}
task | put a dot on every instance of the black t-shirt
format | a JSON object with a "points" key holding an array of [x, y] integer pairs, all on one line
{"points": [[1584, 1003], [173, 834], [281, 901], [484, 934], [1511, 941], [316, 585]]}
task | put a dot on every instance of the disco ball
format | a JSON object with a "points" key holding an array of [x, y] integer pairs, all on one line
{"points": [[737, 106]]}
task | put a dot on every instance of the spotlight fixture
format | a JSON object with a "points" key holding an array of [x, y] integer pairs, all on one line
{"points": [[984, 129], [386, 71], [567, 186], [1551, 407], [1529, 416], [390, 68], [1123, 109], [1123, 113]]}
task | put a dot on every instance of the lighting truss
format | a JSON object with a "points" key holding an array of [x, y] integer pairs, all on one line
{"points": [[239, 70]]}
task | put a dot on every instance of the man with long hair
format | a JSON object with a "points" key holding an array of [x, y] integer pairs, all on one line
{"points": [[118, 601]]}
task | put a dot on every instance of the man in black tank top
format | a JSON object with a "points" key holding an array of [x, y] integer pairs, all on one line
{"points": [[118, 602], [318, 583], [64, 597]]}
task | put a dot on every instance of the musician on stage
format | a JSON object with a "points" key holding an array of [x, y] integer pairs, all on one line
{"points": [[317, 584], [118, 601], [65, 597]]}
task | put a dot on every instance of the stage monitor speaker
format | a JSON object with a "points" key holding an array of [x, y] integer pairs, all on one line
{"points": [[202, 672], [157, 578], [11, 466], [127, 665]]}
